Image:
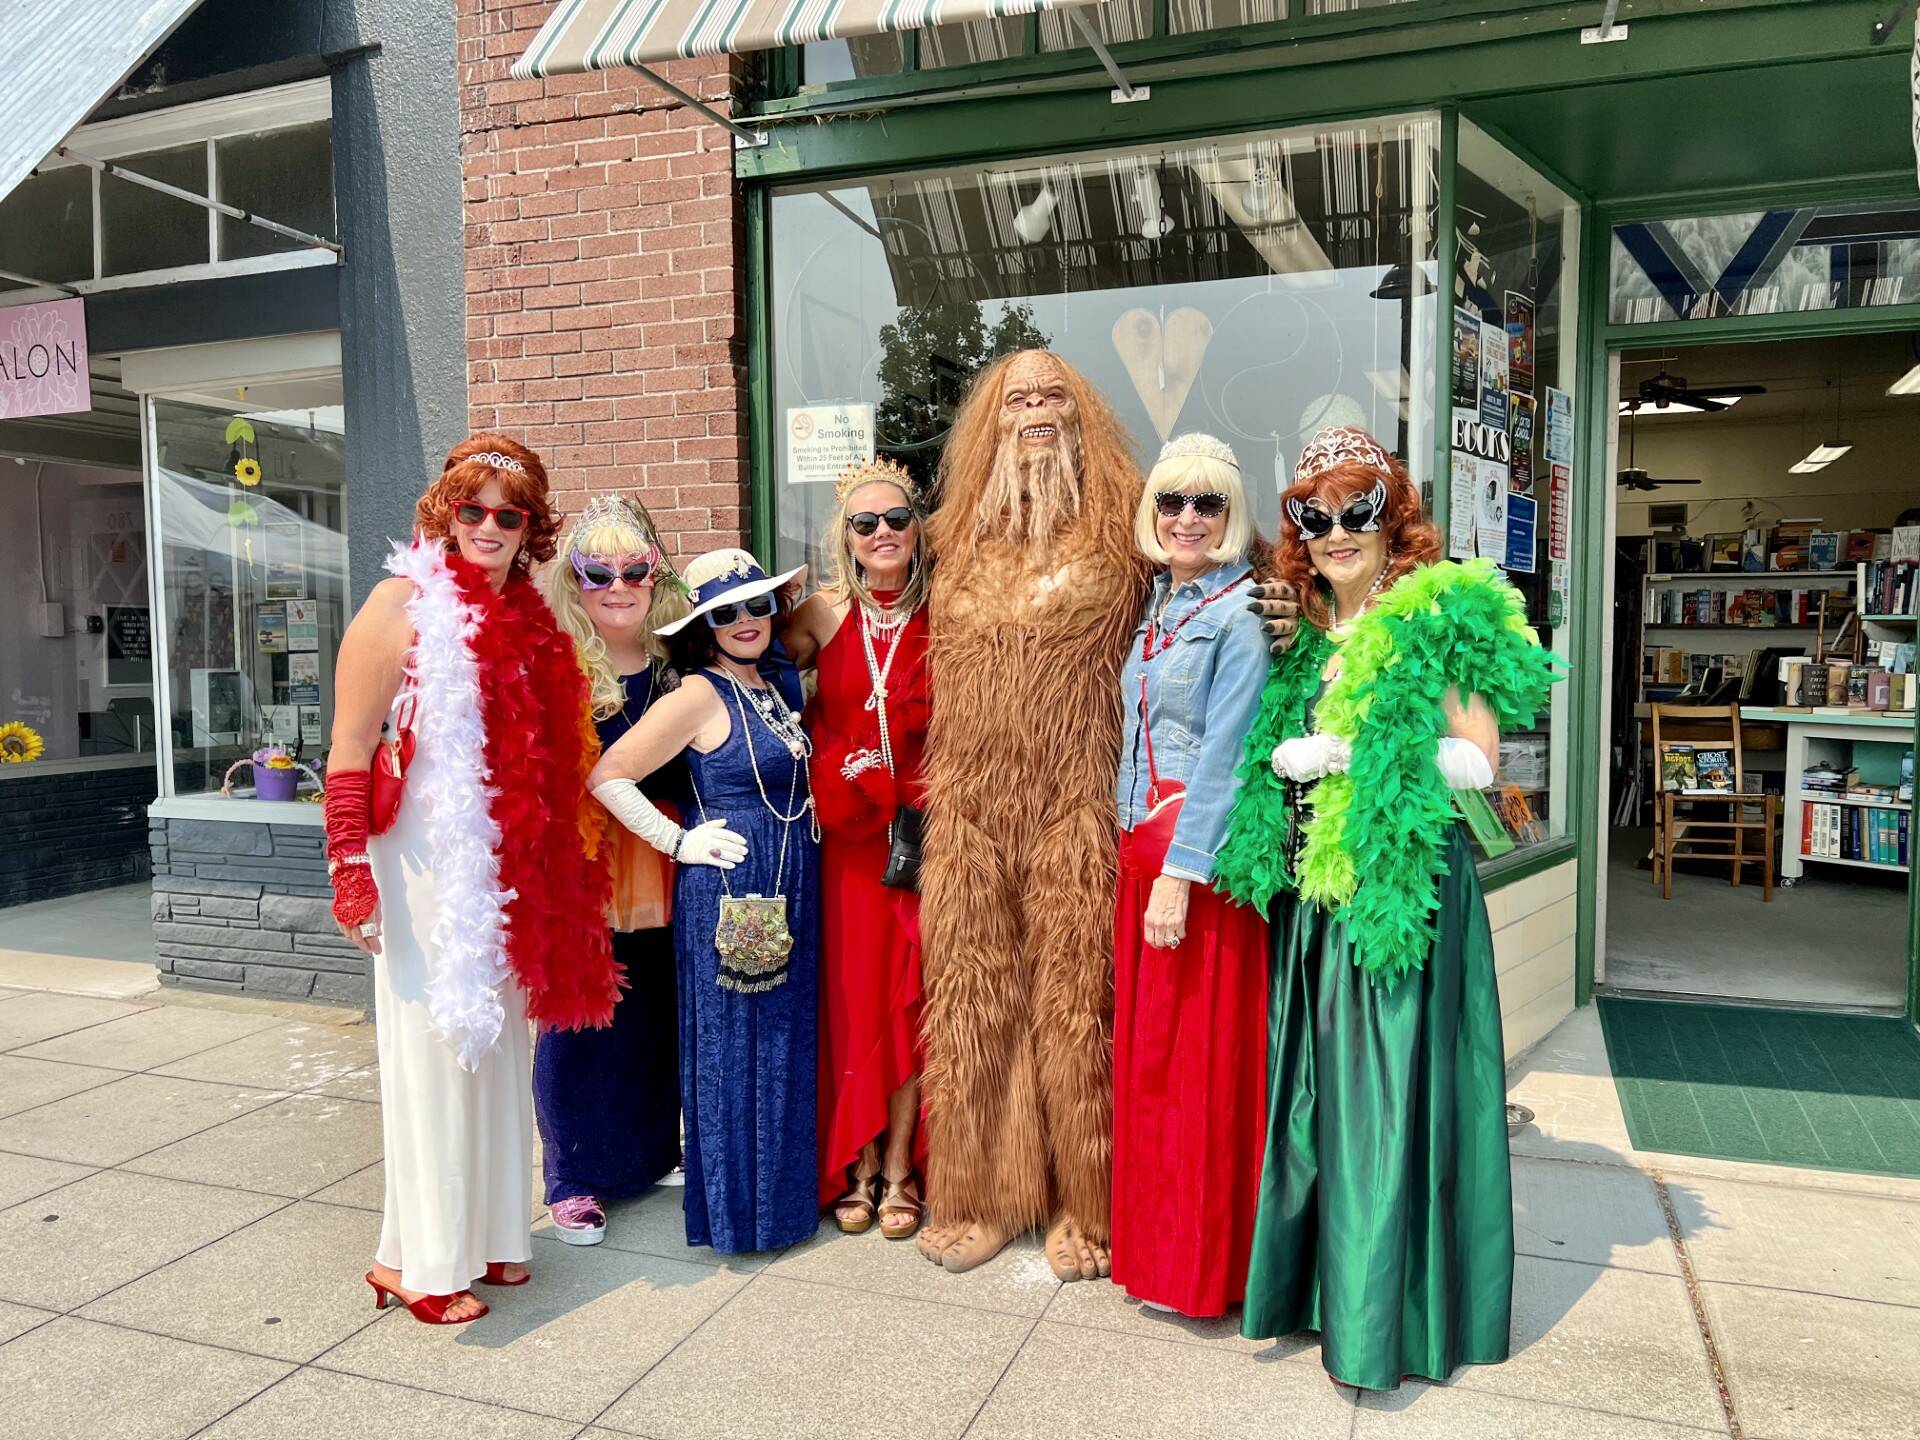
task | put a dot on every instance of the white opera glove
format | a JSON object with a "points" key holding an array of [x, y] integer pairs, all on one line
{"points": [[1308, 757], [1463, 763], [708, 844]]}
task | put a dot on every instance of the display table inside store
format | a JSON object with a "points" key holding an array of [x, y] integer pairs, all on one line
{"points": [[1813, 738]]}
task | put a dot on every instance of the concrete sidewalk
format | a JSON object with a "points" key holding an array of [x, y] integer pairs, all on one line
{"points": [[189, 1192]]}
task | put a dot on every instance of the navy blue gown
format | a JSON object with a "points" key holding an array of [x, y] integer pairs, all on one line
{"points": [[747, 1076], [608, 1101]]}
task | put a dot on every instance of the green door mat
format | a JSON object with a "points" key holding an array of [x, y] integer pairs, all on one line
{"points": [[1781, 1087]]}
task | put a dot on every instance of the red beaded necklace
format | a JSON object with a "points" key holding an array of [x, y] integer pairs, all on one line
{"points": [[1155, 643]]}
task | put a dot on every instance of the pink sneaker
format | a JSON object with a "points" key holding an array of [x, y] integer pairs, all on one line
{"points": [[579, 1220]]}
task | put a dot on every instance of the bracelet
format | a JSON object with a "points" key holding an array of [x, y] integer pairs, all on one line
{"points": [[333, 866], [678, 842]]}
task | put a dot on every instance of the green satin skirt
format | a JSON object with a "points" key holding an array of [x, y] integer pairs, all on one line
{"points": [[1386, 1203]]}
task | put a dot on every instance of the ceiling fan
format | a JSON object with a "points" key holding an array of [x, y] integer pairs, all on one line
{"points": [[1633, 477], [1666, 389]]}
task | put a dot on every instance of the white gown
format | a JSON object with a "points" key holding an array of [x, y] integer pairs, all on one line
{"points": [[459, 1143]]}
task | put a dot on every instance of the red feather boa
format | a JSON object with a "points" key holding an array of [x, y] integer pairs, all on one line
{"points": [[533, 697]]}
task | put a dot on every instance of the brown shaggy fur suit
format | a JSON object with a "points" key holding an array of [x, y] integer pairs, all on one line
{"points": [[1018, 876]]}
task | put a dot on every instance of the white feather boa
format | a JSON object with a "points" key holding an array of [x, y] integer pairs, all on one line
{"points": [[467, 959]]}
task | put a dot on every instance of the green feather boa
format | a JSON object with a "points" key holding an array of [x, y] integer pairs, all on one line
{"points": [[1445, 626]]}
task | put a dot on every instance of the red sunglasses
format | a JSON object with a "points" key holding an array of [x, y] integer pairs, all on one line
{"points": [[507, 517]]}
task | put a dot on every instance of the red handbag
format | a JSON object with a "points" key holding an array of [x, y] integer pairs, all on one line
{"points": [[389, 769], [1153, 836]]}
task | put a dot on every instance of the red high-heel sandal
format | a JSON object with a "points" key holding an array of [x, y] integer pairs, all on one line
{"points": [[428, 1309], [497, 1274]]}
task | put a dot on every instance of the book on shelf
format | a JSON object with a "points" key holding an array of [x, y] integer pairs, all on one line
{"points": [[1823, 550], [1859, 546], [1857, 687], [1837, 671], [1904, 544], [1676, 766], [1888, 587]]}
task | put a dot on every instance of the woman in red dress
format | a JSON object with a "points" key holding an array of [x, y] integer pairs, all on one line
{"points": [[866, 635]]}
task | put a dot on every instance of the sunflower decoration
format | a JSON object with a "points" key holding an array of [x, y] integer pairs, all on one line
{"points": [[247, 470], [242, 456], [19, 743]]}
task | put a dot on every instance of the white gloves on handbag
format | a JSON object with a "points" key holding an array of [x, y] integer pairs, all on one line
{"points": [[1463, 763], [709, 843], [1308, 757]]}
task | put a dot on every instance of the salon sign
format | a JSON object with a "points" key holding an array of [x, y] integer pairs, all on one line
{"points": [[43, 359], [823, 440]]}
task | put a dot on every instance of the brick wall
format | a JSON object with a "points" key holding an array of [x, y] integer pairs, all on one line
{"points": [[68, 834], [604, 278]]}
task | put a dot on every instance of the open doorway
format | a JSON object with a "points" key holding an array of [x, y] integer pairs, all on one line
{"points": [[1768, 520]]}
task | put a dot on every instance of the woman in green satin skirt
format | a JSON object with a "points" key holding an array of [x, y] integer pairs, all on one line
{"points": [[1386, 1213], [1385, 1216]]}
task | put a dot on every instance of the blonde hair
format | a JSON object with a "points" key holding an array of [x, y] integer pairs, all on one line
{"points": [[1196, 474], [561, 585], [844, 575]]}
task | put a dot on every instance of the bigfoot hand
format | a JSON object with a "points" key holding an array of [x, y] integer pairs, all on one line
{"points": [[1308, 757], [1278, 605], [1166, 918]]}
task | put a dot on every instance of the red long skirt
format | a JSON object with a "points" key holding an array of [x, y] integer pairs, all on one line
{"points": [[869, 1001], [1189, 1099]]}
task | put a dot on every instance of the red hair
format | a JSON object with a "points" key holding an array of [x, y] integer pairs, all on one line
{"points": [[1411, 540], [465, 476]]}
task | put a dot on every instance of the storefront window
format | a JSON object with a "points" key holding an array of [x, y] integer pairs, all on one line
{"points": [[972, 42], [142, 229], [251, 515], [861, 58], [1765, 262], [46, 227], [1118, 22], [1515, 297], [284, 174], [1186, 17], [1256, 287]]}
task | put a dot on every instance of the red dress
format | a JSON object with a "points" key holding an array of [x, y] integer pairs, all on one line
{"points": [[869, 934]]}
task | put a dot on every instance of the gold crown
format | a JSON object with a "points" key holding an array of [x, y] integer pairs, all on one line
{"points": [[881, 467]]}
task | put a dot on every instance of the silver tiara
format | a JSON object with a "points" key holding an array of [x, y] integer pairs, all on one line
{"points": [[1199, 447], [499, 461], [1336, 445], [611, 506]]}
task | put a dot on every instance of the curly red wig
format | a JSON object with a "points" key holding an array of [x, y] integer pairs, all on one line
{"points": [[464, 476], [1411, 539]]}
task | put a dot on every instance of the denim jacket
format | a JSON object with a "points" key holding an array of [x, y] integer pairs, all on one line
{"points": [[1202, 691]]}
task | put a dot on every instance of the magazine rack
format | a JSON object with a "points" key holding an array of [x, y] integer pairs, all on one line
{"points": [[1686, 824]]}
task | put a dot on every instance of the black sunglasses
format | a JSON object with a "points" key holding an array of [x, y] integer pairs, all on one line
{"points": [[1208, 505], [1359, 517], [721, 616], [865, 522]]}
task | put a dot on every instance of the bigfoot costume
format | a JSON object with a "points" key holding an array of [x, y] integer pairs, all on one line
{"points": [[1036, 588]]}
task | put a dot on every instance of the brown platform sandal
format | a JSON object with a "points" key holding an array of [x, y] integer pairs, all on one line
{"points": [[901, 1208], [859, 1196]]}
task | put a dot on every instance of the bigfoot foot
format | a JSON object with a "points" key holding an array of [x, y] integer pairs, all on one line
{"points": [[1072, 1255], [974, 1243], [934, 1240]]}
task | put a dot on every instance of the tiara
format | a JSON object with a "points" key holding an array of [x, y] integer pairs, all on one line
{"points": [[498, 461], [881, 467], [620, 509], [1336, 445], [1198, 447]]}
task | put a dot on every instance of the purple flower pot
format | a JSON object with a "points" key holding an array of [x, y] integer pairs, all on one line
{"points": [[270, 784]]}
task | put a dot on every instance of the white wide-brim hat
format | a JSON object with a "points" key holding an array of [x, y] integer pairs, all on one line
{"points": [[724, 577]]}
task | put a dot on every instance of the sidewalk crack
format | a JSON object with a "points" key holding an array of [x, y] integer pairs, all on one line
{"points": [[1698, 1301]]}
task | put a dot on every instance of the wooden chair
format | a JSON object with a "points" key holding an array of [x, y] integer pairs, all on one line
{"points": [[1674, 828]]}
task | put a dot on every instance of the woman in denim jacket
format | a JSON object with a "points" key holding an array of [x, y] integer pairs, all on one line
{"points": [[1190, 966]]}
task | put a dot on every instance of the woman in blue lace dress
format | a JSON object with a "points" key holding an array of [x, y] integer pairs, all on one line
{"points": [[746, 912]]}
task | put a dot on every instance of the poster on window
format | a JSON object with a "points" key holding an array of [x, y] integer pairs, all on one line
{"points": [[1559, 525], [1558, 446], [1490, 497], [1520, 427], [286, 572], [280, 724], [1466, 363], [303, 625], [823, 440], [1521, 510], [270, 629], [129, 645], [1493, 376], [1520, 341], [310, 734], [1460, 506], [303, 679]]}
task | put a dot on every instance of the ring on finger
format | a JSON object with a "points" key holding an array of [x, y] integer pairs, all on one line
{"points": [[369, 928]]}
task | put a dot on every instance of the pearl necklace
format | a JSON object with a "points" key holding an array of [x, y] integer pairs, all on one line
{"points": [[872, 623], [1341, 629], [772, 709]]}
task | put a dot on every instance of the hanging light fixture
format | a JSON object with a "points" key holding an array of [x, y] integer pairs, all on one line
{"points": [[1822, 456], [1261, 192], [1154, 222]]}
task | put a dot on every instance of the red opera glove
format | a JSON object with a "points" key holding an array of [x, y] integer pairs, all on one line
{"points": [[853, 793], [349, 809]]}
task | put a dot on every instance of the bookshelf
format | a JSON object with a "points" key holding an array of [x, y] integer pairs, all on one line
{"points": [[1872, 743]]}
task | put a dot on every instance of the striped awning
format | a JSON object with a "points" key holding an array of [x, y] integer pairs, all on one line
{"points": [[62, 58], [584, 35]]}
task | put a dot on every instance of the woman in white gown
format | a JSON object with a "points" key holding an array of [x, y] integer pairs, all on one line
{"points": [[481, 898]]}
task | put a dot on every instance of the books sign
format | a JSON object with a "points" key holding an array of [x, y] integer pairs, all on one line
{"points": [[823, 440], [43, 359]]}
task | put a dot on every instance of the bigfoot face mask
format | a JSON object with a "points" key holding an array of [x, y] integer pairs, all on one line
{"points": [[1034, 489]]}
